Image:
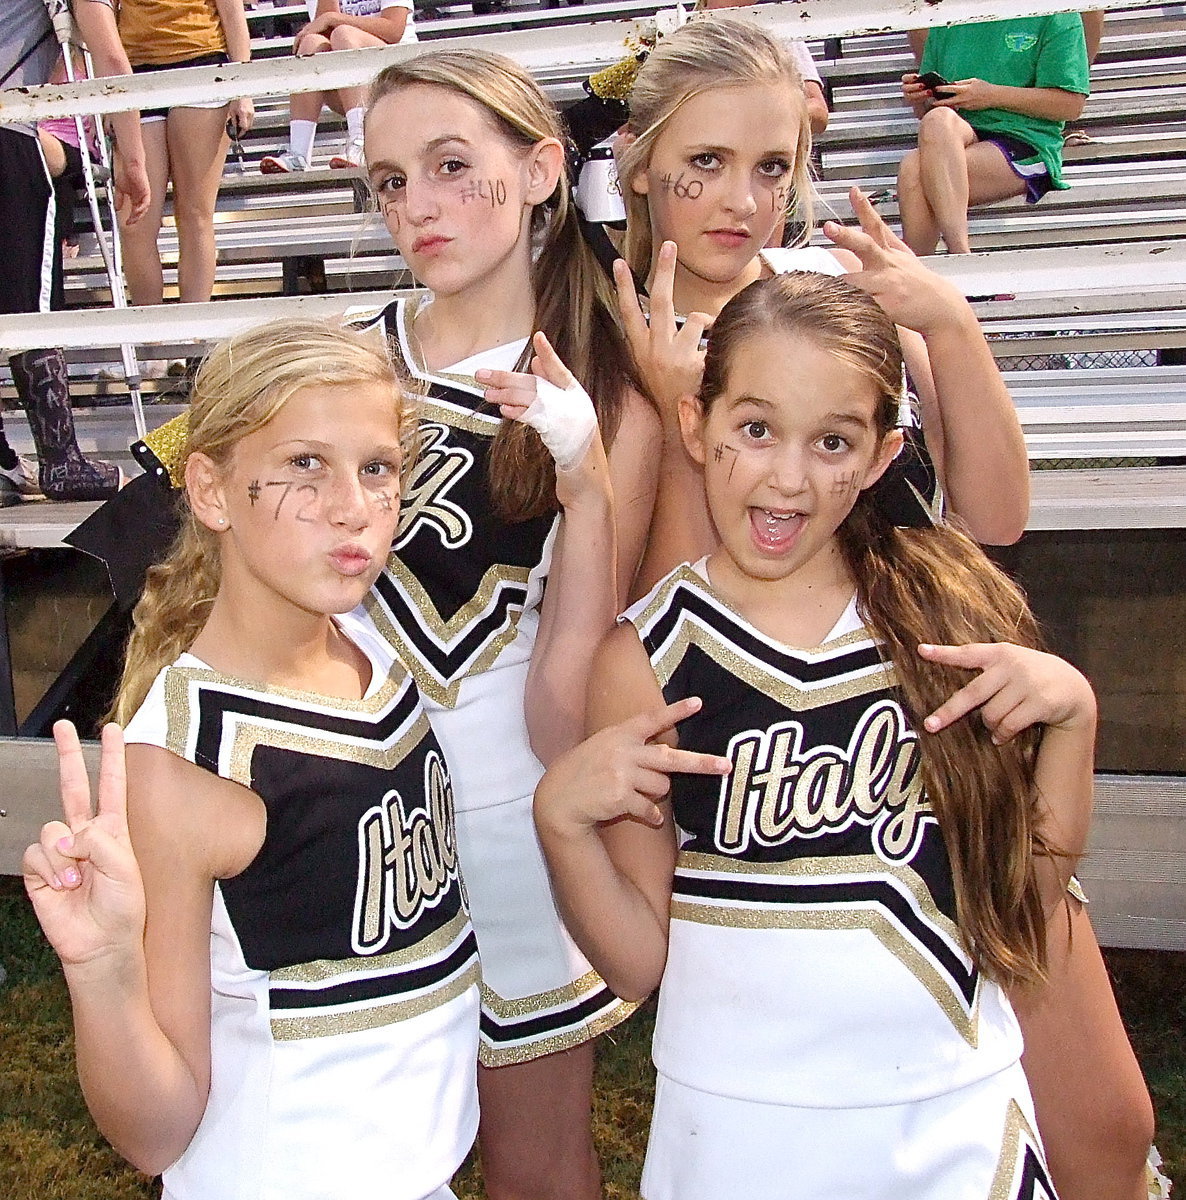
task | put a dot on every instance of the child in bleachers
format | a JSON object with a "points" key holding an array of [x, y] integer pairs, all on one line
{"points": [[30, 251], [337, 25]]}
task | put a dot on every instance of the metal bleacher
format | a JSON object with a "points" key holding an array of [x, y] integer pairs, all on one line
{"points": [[1098, 270]]}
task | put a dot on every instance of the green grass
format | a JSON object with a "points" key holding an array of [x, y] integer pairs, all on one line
{"points": [[50, 1150]]}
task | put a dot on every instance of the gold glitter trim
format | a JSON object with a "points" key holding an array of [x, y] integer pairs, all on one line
{"points": [[431, 685], [167, 442], [526, 1006], [177, 711], [760, 676], [857, 866], [323, 969], [179, 717], [492, 1055], [880, 924], [299, 1028], [383, 758], [1016, 1126], [434, 409]]}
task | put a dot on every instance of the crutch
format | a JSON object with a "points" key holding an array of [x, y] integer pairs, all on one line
{"points": [[59, 12]]}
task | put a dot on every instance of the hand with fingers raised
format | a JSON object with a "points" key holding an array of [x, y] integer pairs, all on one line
{"points": [[668, 357], [1015, 687], [82, 875], [621, 771], [910, 293], [554, 404]]}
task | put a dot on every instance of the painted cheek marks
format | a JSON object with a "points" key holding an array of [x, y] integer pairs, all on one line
{"points": [[306, 497], [692, 190], [780, 199], [253, 491], [719, 451], [846, 484], [493, 191], [387, 207], [384, 500]]}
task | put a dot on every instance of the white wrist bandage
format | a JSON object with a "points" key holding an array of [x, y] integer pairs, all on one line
{"points": [[565, 419]]}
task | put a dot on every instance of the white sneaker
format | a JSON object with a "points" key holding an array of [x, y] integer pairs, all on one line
{"points": [[351, 157], [283, 163], [22, 478]]}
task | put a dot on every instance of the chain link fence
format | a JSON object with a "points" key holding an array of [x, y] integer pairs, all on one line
{"points": [[1085, 360]]}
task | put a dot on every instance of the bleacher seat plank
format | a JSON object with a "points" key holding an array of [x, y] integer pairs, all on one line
{"points": [[1116, 498], [1134, 872], [583, 48], [41, 525], [1135, 869], [29, 793]]}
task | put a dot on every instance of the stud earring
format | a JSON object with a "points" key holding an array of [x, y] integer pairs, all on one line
{"points": [[222, 520]]}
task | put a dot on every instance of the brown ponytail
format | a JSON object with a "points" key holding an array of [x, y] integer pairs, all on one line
{"points": [[925, 585], [575, 305]]}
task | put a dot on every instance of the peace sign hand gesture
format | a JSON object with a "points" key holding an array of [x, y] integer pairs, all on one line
{"points": [[910, 293], [553, 403], [669, 358], [621, 771], [82, 875]]}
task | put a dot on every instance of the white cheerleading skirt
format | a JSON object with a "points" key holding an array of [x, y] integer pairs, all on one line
{"points": [[539, 993], [977, 1143]]}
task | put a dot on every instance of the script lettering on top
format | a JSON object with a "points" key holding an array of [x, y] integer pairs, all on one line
{"points": [[779, 792], [406, 860], [424, 500]]}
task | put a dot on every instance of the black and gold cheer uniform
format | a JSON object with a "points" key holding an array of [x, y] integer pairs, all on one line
{"points": [[459, 603], [822, 1030], [344, 968]]}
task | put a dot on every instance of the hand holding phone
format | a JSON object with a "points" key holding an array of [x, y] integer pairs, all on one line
{"points": [[933, 81]]}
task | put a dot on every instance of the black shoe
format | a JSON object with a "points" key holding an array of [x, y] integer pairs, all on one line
{"points": [[79, 478]]}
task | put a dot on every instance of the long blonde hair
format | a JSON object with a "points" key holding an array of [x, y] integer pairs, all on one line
{"points": [[243, 383], [575, 304], [930, 585], [711, 51]]}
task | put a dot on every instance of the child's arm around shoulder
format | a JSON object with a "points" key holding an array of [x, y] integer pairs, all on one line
{"points": [[969, 419], [608, 836], [132, 927], [1018, 687]]}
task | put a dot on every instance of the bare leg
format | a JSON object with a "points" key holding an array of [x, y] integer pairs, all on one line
{"points": [[958, 172], [1093, 1108], [536, 1137], [197, 152], [345, 37], [55, 155], [142, 259], [943, 141], [306, 106], [920, 230]]}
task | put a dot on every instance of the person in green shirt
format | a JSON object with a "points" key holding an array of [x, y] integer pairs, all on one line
{"points": [[995, 130]]}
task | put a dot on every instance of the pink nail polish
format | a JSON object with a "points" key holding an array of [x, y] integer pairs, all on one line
{"points": [[70, 877]]}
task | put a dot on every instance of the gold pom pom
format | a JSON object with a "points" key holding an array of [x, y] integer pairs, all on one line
{"points": [[614, 83], [168, 444]]}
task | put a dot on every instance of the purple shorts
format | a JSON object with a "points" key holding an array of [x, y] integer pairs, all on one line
{"points": [[1025, 162]]}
